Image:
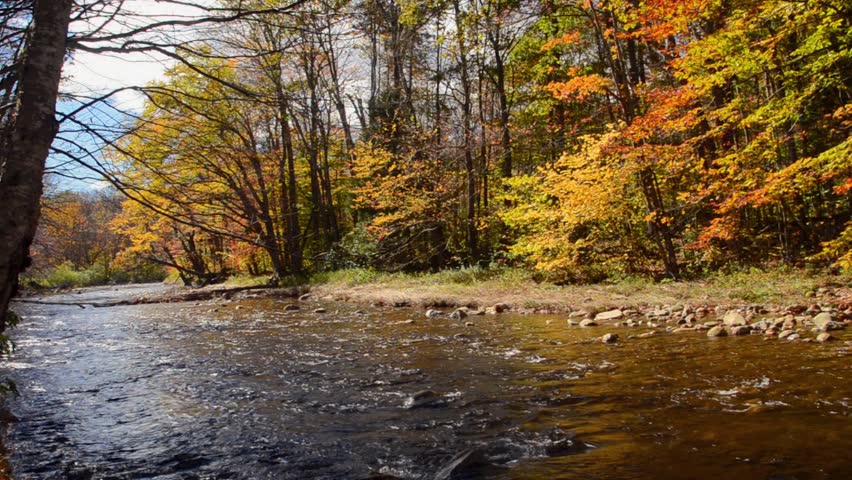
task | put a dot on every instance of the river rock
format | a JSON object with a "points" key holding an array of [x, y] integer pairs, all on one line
{"points": [[831, 326], [458, 314], [793, 337], [610, 338], [789, 323], [573, 323], [291, 307], [305, 297], [579, 314], [466, 465], [825, 322], [741, 330], [786, 333], [588, 323], [609, 315], [319, 310], [659, 313], [683, 330], [423, 398], [75, 472], [500, 307], [717, 331], [733, 319], [761, 326], [560, 443], [648, 334], [434, 313], [824, 337]]}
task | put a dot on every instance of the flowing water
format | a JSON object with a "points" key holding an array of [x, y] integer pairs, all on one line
{"points": [[247, 390]]}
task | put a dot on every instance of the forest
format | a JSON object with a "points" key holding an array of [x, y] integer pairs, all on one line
{"points": [[582, 140], [425, 239]]}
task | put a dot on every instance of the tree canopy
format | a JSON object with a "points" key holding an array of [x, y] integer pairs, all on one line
{"points": [[580, 139]]}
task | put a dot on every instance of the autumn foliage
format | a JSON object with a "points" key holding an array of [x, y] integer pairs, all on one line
{"points": [[582, 139]]}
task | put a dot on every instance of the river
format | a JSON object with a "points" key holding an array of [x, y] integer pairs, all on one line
{"points": [[246, 390]]}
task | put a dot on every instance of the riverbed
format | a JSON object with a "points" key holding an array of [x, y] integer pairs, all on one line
{"points": [[245, 389]]}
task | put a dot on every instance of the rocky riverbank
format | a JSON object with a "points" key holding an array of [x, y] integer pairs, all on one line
{"points": [[828, 312], [793, 308], [776, 289], [812, 323]]}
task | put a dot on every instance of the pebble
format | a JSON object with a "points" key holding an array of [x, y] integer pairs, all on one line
{"points": [[610, 315], [786, 333], [717, 331], [824, 337], [500, 307], [609, 338], [741, 330], [733, 319]]}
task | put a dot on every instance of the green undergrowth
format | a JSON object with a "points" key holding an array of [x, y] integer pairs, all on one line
{"points": [[66, 276], [461, 276], [771, 286]]}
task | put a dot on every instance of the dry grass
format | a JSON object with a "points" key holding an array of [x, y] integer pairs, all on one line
{"points": [[479, 288]]}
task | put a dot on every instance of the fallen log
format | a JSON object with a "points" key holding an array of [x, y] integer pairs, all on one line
{"points": [[185, 296]]}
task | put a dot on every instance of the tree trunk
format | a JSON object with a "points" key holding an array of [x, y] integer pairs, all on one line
{"points": [[23, 158], [656, 225], [503, 98], [470, 171]]}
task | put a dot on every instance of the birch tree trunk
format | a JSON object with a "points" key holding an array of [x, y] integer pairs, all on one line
{"points": [[23, 158]]}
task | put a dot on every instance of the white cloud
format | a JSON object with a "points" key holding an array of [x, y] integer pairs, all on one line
{"points": [[98, 73], [99, 185]]}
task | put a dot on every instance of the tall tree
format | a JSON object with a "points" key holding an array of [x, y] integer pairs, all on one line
{"points": [[26, 140]]}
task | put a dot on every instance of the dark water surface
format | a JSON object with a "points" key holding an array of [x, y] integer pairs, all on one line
{"points": [[210, 390]]}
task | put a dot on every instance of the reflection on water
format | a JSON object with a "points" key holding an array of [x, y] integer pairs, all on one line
{"points": [[210, 390]]}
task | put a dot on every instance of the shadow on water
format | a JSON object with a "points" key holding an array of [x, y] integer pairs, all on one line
{"points": [[245, 390]]}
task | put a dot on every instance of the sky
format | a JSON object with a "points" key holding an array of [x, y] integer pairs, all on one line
{"points": [[97, 73], [94, 74]]}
